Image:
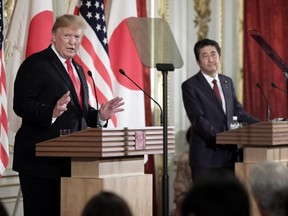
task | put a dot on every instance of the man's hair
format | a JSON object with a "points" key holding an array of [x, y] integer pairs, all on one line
{"points": [[205, 42], [269, 185], [68, 20], [217, 193], [106, 203]]}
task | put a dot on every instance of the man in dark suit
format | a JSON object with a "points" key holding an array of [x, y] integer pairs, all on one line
{"points": [[47, 100], [210, 114]]}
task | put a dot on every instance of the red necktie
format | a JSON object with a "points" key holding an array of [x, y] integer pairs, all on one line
{"points": [[216, 91], [75, 80]]}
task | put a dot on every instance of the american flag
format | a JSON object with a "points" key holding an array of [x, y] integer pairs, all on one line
{"points": [[93, 52], [95, 55], [4, 147]]}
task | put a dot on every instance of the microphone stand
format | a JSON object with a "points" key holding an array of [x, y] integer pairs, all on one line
{"points": [[266, 101], [97, 106], [165, 178]]}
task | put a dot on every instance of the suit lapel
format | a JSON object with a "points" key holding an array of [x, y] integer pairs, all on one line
{"points": [[229, 95], [226, 88], [61, 70], [206, 88]]}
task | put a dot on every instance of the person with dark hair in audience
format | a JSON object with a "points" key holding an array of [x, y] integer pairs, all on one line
{"points": [[269, 186], [217, 193], [183, 179], [3, 211], [106, 203]]}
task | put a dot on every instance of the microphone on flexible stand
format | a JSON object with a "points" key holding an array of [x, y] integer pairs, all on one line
{"points": [[277, 87], [94, 86], [267, 104], [161, 112]]}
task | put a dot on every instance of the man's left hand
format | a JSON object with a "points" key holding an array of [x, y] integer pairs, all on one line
{"points": [[107, 110]]}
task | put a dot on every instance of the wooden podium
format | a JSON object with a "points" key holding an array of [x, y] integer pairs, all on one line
{"points": [[107, 159], [260, 141]]}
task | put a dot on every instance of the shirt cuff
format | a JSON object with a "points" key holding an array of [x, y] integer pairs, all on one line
{"points": [[102, 123]]}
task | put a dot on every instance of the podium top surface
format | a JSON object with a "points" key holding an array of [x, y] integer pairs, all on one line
{"points": [[108, 142], [271, 133]]}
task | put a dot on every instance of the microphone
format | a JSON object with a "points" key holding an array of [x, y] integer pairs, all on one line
{"points": [[267, 104], [275, 86], [161, 112], [94, 86]]}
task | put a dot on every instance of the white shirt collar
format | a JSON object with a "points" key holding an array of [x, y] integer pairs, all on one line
{"points": [[60, 57], [210, 79]]}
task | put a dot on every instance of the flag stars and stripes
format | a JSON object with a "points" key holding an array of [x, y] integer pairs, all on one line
{"points": [[4, 148], [95, 57], [89, 15], [88, 4], [105, 41], [95, 17], [98, 27], [97, 4]]}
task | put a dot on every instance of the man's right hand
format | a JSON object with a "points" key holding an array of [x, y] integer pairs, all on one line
{"points": [[61, 105]]}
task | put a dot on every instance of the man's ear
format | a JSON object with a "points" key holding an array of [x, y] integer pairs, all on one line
{"points": [[53, 39]]}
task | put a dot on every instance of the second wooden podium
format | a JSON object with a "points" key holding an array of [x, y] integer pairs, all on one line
{"points": [[261, 141], [107, 159]]}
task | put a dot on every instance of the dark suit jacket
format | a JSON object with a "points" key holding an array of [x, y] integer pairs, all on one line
{"points": [[208, 118], [40, 82]]}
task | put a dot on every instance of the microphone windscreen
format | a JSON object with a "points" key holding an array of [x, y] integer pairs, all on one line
{"points": [[89, 73], [122, 71]]}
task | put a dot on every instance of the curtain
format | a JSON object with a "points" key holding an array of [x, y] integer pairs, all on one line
{"points": [[269, 17]]}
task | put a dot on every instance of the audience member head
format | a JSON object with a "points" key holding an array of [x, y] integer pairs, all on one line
{"points": [[218, 193], [269, 185], [106, 203], [3, 211]]}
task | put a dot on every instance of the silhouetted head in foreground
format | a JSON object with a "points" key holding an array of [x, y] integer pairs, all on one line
{"points": [[106, 203], [269, 185], [218, 193]]}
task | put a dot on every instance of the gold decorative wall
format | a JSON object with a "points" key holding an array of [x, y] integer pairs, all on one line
{"points": [[202, 8], [240, 45]]}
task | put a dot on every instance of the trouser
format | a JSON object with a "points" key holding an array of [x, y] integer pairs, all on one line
{"points": [[41, 196], [199, 172]]}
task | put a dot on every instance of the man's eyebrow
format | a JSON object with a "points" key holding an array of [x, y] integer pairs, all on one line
{"points": [[204, 53]]}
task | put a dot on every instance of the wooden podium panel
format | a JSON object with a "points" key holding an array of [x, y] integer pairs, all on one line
{"points": [[108, 159], [262, 134], [136, 190], [260, 141], [107, 167], [108, 142]]}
